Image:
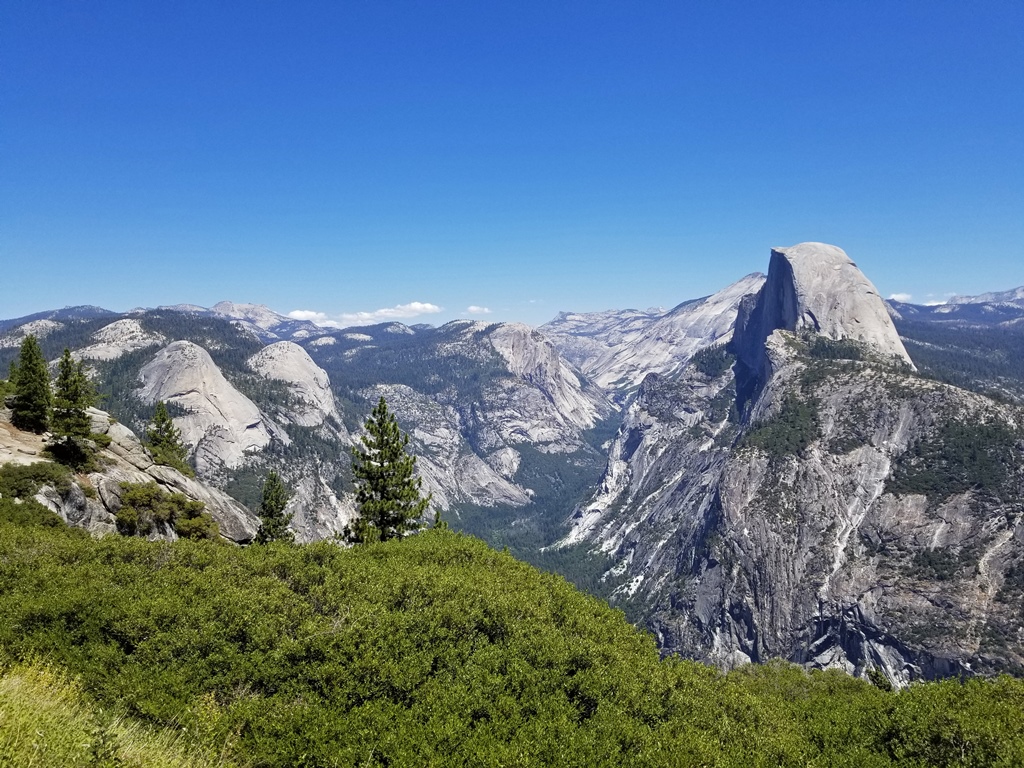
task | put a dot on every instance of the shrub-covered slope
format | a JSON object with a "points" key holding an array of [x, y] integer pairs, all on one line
{"points": [[437, 650]]}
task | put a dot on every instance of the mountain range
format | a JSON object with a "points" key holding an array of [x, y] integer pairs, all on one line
{"points": [[791, 467]]}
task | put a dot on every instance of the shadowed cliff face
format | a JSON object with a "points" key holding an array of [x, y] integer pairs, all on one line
{"points": [[852, 515], [812, 288]]}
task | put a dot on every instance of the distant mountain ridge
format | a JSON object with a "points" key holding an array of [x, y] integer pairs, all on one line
{"points": [[618, 348], [1014, 296], [259, 319]]}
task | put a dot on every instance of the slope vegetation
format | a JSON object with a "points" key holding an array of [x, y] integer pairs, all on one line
{"points": [[437, 650]]}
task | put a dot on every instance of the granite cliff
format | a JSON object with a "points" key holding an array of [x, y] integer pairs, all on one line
{"points": [[802, 494]]}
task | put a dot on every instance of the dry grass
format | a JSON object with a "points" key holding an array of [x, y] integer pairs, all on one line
{"points": [[46, 721]]}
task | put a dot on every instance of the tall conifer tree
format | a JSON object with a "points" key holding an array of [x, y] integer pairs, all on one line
{"points": [[388, 494], [165, 441], [73, 394], [274, 520], [32, 395]]}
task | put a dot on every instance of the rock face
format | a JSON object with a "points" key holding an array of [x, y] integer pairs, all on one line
{"points": [[117, 339], [816, 288], [37, 328], [452, 471], [221, 425], [532, 358], [741, 545], [508, 391], [310, 387], [125, 460], [812, 525], [618, 349]]}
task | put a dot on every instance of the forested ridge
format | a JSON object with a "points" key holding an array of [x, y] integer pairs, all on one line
{"points": [[436, 650]]}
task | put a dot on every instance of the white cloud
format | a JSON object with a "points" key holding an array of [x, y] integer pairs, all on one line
{"points": [[344, 319], [309, 314], [473, 309], [901, 297]]}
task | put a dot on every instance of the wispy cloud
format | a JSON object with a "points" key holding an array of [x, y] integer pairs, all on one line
{"points": [[473, 309], [344, 319], [901, 297]]}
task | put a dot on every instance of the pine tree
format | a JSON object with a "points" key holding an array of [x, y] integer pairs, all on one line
{"points": [[32, 397], [70, 425], [73, 394], [388, 498], [164, 440], [275, 521]]}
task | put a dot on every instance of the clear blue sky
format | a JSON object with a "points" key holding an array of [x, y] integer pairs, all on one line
{"points": [[525, 157]]}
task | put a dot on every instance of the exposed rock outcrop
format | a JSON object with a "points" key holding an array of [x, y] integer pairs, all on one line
{"points": [[309, 385], [117, 339], [123, 461], [38, 328], [532, 358], [815, 288], [220, 424]]}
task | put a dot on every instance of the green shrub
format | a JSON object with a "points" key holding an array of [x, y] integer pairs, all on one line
{"points": [[23, 481], [144, 505], [788, 433], [27, 512], [436, 650]]}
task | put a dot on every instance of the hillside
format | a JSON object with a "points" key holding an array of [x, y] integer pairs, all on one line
{"points": [[438, 650], [747, 474]]}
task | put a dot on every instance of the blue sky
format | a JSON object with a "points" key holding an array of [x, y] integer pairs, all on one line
{"points": [[344, 158]]}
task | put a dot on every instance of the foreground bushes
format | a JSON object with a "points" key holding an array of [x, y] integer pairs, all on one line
{"points": [[438, 650]]}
